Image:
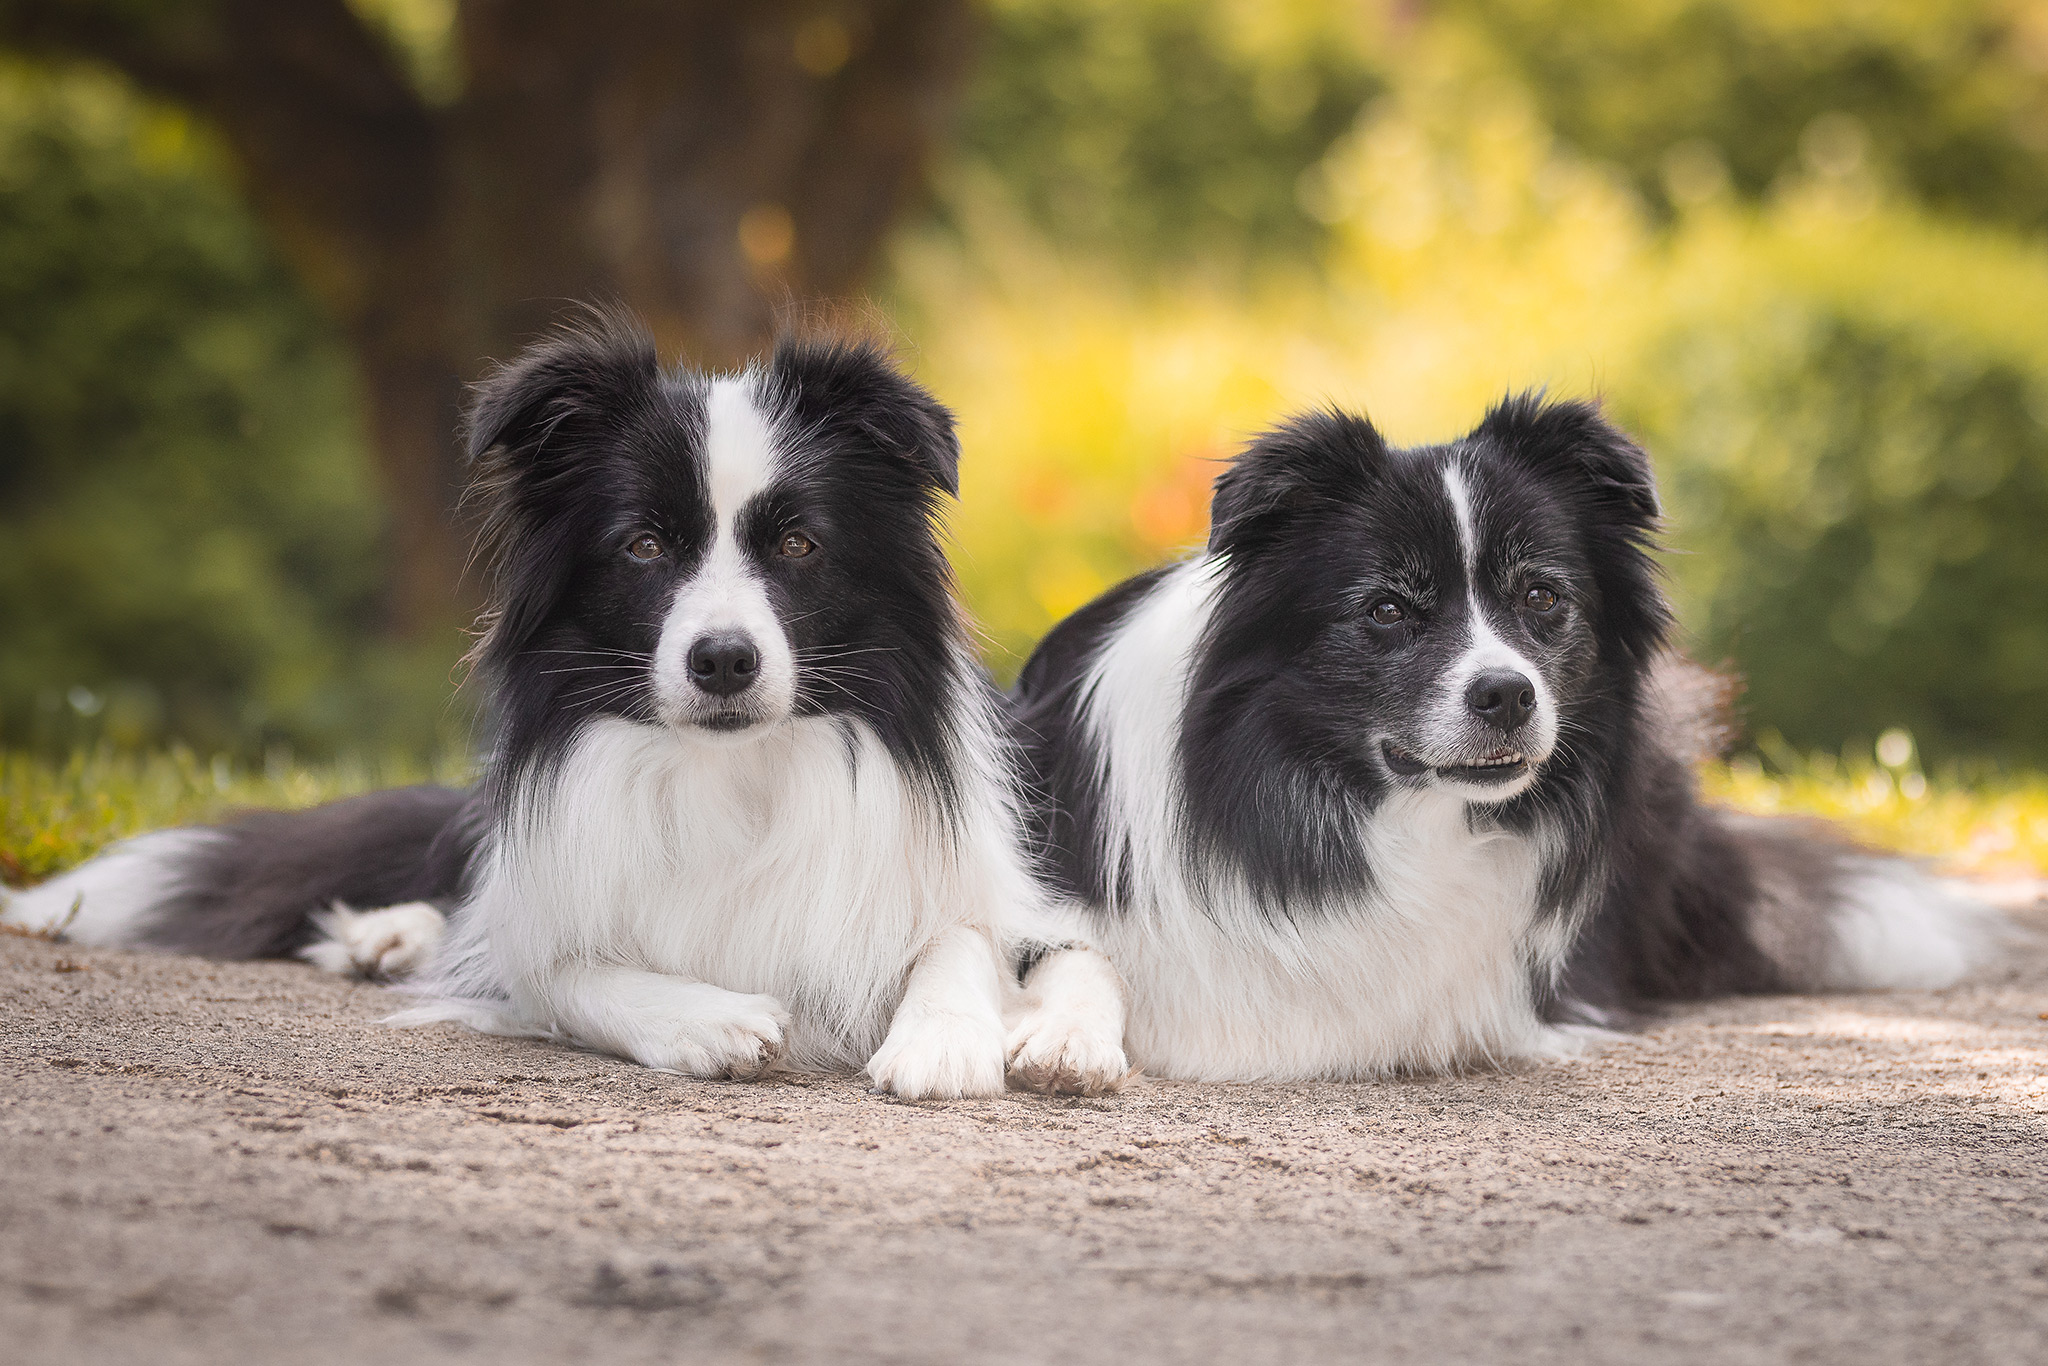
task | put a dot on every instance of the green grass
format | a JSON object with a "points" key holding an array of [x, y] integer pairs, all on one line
{"points": [[1989, 826], [53, 815]]}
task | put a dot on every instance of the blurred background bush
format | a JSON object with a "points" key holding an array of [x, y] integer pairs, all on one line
{"points": [[1800, 248]]}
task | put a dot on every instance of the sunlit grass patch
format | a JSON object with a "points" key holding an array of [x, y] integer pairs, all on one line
{"points": [[56, 814], [1984, 826]]}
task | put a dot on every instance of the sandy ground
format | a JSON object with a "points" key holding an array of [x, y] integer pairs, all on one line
{"points": [[226, 1163]]}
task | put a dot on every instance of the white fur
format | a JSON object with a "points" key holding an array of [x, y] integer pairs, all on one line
{"points": [[795, 871], [1427, 971], [112, 898], [666, 1021], [947, 1037], [1069, 1034], [1461, 512], [1899, 929], [389, 943], [739, 444], [1135, 692], [723, 592], [1485, 651], [718, 904], [715, 903]]}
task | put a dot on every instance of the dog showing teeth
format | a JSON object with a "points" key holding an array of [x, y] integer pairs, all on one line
{"points": [[705, 843], [1287, 892]]}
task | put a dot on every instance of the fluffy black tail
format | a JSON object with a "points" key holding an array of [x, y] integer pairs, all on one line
{"points": [[254, 887], [1701, 902]]}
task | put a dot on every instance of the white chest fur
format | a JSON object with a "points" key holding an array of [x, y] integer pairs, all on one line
{"points": [[797, 866], [1426, 970]]}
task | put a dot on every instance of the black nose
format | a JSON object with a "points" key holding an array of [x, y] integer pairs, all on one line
{"points": [[1501, 698], [724, 663]]}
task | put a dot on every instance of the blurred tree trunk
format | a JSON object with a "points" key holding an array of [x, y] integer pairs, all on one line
{"points": [[700, 160]]}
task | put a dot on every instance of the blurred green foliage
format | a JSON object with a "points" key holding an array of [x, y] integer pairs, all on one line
{"points": [[1161, 132], [1946, 98], [1796, 259], [1858, 469], [1797, 245], [189, 535]]}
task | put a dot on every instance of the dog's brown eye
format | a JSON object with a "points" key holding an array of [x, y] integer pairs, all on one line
{"points": [[1541, 599], [796, 545], [1387, 612], [644, 547]]}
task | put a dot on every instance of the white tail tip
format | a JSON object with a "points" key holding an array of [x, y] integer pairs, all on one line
{"points": [[1897, 928]]}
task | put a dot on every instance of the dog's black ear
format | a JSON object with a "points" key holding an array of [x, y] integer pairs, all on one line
{"points": [[1571, 438], [849, 397], [1302, 465], [584, 373], [527, 423], [1608, 477]]}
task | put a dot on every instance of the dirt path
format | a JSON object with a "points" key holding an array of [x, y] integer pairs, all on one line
{"points": [[221, 1164]]}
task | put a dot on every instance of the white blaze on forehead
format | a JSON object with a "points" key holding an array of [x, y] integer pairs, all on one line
{"points": [[724, 592], [739, 448], [1461, 511], [1484, 651]]}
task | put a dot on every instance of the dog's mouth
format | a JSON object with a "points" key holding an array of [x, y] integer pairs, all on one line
{"points": [[1500, 766], [728, 722]]}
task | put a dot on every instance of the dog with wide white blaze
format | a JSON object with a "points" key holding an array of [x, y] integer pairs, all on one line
{"points": [[748, 799], [1394, 776]]}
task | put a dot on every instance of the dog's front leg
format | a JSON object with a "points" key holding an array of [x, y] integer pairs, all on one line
{"points": [[1070, 1040], [947, 1038], [667, 1022]]}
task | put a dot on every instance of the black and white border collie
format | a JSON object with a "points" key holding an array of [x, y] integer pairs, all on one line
{"points": [[749, 798], [1393, 776]]}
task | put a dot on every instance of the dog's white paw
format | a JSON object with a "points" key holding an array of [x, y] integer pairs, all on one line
{"points": [[1070, 1038], [383, 945], [939, 1055], [710, 1032], [1565, 1043], [1068, 1053]]}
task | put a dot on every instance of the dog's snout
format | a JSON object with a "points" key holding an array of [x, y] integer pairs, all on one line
{"points": [[1501, 698], [724, 663]]}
